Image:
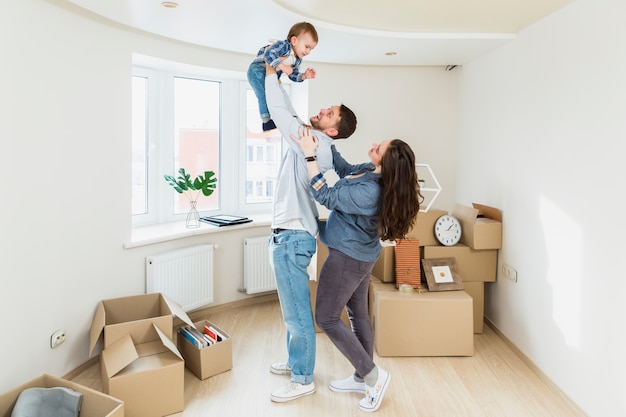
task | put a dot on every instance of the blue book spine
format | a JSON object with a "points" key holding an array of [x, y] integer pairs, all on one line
{"points": [[190, 337]]}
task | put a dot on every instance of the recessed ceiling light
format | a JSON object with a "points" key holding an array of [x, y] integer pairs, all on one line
{"points": [[169, 4], [391, 53]]}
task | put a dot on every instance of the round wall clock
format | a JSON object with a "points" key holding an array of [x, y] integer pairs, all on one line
{"points": [[448, 230]]}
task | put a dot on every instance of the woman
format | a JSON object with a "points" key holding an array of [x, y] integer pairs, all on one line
{"points": [[371, 201]]}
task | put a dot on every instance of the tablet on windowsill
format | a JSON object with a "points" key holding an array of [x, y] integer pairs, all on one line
{"points": [[224, 220]]}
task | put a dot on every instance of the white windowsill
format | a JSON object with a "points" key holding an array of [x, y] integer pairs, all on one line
{"points": [[148, 235]]}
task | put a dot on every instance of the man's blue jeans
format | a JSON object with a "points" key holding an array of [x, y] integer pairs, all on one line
{"points": [[256, 78], [290, 253]]}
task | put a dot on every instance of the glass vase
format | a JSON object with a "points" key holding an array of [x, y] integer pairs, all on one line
{"points": [[193, 217]]}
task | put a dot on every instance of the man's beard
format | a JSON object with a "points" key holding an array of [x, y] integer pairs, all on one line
{"points": [[315, 124]]}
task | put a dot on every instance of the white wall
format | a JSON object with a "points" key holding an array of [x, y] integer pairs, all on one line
{"points": [[65, 165], [415, 104], [542, 137]]}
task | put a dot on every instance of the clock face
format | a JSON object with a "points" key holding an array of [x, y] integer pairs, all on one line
{"points": [[448, 230]]}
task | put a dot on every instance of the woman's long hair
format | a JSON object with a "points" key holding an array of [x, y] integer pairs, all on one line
{"points": [[401, 197]]}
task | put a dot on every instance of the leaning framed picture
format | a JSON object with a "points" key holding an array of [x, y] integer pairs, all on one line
{"points": [[442, 274]]}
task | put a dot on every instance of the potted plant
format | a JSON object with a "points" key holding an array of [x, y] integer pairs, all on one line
{"points": [[183, 184]]}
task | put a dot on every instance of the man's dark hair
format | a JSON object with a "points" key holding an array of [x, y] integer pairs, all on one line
{"points": [[347, 123]]}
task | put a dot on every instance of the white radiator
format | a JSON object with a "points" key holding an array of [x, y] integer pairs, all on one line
{"points": [[183, 275], [257, 272]]}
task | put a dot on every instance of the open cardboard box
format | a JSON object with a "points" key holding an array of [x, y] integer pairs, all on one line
{"points": [[134, 315], [94, 404], [139, 362], [148, 377], [481, 226], [208, 361]]}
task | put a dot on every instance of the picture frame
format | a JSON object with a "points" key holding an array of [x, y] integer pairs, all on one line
{"points": [[442, 274]]}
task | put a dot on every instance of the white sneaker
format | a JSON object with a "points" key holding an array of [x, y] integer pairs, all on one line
{"points": [[280, 368], [347, 385], [292, 391], [374, 395]]}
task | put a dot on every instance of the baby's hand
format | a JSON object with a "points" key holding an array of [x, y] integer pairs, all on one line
{"points": [[309, 73]]}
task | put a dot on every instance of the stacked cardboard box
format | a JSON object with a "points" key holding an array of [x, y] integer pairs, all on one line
{"points": [[94, 403], [420, 323], [476, 254]]}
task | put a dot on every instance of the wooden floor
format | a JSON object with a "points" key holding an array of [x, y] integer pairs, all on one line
{"points": [[494, 382]]}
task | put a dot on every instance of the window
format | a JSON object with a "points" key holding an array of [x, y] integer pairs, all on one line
{"points": [[199, 119]]}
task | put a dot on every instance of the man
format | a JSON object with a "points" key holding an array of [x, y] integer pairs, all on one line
{"points": [[294, 227]]}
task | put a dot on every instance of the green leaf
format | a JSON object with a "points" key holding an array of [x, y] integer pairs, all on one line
{"points": [[182, 183]]}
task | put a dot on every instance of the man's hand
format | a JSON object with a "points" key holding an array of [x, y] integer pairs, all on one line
{"points": [[308, 143], [269, 69], [285, 68]]}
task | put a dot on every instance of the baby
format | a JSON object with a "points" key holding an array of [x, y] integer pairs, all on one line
{"points": [[285, 56]]}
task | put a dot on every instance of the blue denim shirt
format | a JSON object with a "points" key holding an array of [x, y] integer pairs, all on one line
{"points": [[274, 52], [352, 225]]}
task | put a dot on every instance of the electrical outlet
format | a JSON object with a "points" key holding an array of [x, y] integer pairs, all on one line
{"points": [[57, 338], [509, 272]]}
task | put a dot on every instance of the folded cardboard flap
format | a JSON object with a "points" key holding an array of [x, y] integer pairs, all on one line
{"points": [[465, 214], [486, 213], [118, 355]]}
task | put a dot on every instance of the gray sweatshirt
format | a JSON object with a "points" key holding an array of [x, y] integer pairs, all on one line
{"points": [[293, 202]]}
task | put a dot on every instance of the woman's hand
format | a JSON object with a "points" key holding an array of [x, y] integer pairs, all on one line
{"points": [[308, 143]]}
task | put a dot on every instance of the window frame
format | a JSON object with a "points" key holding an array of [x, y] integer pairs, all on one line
{"points": [[160, 139]]}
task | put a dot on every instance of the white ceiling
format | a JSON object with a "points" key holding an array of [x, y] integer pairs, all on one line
{"points": [[421, 32]]}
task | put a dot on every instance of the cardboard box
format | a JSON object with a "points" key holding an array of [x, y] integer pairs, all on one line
{"points": [[139, 362], [476, 290], [384, 267], [370, 297], [313, 295], [133, 315], [424, 228], [473, 265], [148, 377], [320, 256], [208, 361], [421, 323], [481, 226], [94, 404]]}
